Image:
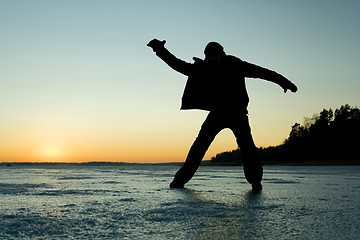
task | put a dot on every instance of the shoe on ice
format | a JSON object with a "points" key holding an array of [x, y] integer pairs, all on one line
{"points": [[256, 186], [174, 184]]}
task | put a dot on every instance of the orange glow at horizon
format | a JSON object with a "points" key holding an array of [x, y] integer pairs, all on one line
{"points": [[131, 146], [77, 150]]}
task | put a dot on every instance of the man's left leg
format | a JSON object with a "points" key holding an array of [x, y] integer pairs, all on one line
{"points": [[252, 165]]}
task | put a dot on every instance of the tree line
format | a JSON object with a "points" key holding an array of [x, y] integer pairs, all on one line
{"points": [[327, 136]]}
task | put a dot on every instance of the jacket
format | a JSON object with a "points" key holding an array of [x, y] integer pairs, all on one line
{"points": [[218, 87]]}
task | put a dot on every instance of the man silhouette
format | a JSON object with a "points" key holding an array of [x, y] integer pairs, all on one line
{"points": [[217, 84]]}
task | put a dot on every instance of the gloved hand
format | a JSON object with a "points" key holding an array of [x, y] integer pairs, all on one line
{"points": [[156, 44], [290, 86]]}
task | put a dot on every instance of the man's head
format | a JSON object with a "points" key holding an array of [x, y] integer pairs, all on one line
{"points": [[214, 52]]}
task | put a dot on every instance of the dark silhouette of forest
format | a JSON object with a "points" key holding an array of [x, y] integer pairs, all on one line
{"points": [[331, 137]]}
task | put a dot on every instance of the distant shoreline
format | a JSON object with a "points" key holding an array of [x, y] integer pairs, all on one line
{"points": [[205, 163], [83, 163]]}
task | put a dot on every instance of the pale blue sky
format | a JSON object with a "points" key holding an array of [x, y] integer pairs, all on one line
{"points": [[81, 70]]}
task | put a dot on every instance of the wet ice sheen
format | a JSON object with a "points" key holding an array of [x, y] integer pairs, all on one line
{"points": [[134, 202]]}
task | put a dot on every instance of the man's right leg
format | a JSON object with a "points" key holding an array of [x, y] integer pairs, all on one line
{"points": [[208, 131]]}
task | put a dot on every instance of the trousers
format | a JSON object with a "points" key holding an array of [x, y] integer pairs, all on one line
{"points": [[213, 124]]}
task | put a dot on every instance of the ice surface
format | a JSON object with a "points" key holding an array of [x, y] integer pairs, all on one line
{"points": [[134, 202]]}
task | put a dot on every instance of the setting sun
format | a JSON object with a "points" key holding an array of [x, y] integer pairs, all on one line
{"points": [[52, 154]]}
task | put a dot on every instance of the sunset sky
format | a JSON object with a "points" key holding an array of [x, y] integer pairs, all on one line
{"points": [[78, 83]]}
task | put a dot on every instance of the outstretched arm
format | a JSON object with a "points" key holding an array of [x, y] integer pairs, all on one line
{"points": [[175, 63], [255, 71]]}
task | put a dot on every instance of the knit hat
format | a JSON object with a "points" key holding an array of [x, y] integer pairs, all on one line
{"points": [[214, 49]]}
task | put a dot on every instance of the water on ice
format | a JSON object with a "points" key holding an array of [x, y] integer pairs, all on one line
{"points": [[135, 202]]}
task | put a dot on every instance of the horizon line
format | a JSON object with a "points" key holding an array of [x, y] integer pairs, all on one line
{"points": [[90, 162]]}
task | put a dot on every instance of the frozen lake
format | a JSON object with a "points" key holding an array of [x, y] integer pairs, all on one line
{"points": [[134, 202]]}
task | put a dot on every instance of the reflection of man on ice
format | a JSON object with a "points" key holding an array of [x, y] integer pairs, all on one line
{"points": [[217, 84]]}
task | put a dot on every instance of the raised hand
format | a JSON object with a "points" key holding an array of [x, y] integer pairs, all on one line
{"points": [[290, 86], [156, 44]]}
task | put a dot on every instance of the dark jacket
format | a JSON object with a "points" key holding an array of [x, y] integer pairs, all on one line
{"points": [[218, 87]]}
